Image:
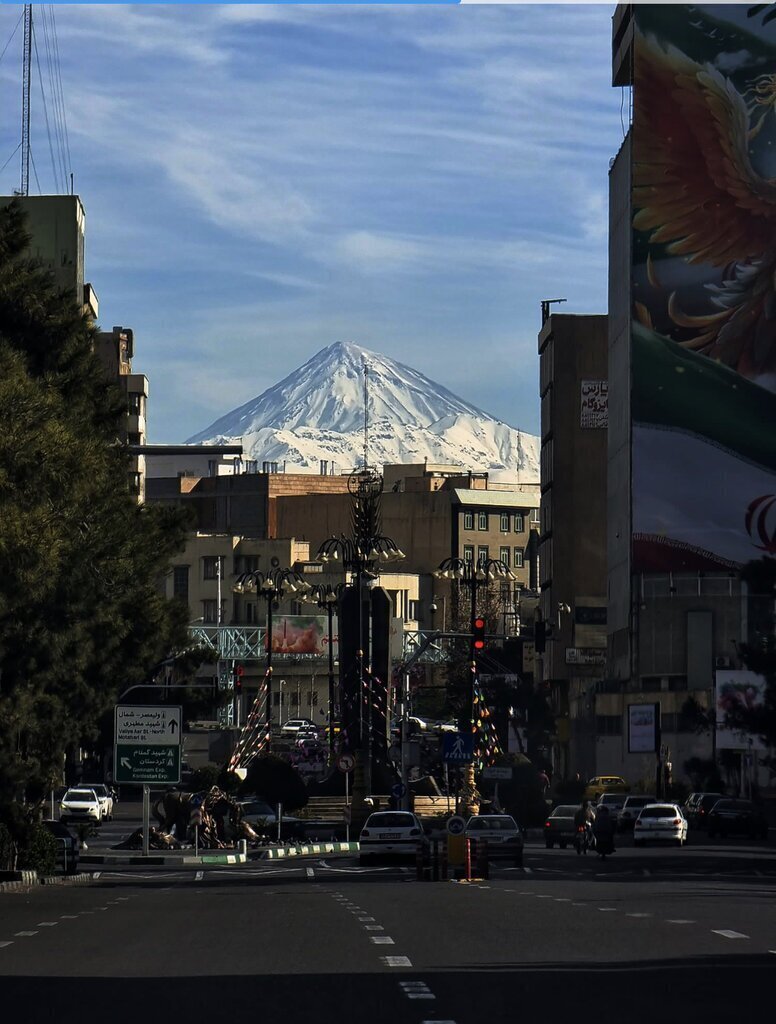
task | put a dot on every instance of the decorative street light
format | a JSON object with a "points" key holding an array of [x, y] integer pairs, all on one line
{"points": [[272, 586], [326, 596]]}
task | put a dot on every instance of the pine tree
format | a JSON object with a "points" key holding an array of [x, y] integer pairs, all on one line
{"points": [[81, 611]]}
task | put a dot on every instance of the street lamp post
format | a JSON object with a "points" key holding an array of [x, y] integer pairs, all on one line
{"points": [[326, 596], [272, 585]]}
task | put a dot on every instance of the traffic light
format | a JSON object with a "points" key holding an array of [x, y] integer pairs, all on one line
{"points": [[239, 671], [479, 634]]}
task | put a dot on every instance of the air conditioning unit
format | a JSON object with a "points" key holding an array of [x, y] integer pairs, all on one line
{"points": [[723, 661]]}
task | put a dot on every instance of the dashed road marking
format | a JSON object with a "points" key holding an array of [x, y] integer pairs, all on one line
{"points": [[68, 917], [728, 933], [47, 924], [416, 990], [396, 961], [24, 933], [310, 872], [638, 915], [679, 920], [607, 909], [198, 876], [11, 943], [373, 927], [381, 940], [562, 899], [366, 920], [528, 871]]}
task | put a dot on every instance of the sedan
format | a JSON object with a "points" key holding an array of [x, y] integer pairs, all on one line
{"points": [[663, 822], [626, 819], [81, 805], [394, 833], [501, 833], [296, 725], [263, 818], [736, 817], [559, 827], [105, 797], [67, 845]]}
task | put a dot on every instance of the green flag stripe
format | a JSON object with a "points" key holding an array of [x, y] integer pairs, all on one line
{"points": [[679, 389]]}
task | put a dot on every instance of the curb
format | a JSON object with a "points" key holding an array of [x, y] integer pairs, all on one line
{"points": [[33, 880], [179, 860], [307, 850]]}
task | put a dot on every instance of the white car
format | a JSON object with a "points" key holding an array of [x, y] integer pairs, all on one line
{"points": [[633, 805], [613, 802], [501, 833], [390, 833], [105, 798], [663, 822], [80, 804], [296, 725]]}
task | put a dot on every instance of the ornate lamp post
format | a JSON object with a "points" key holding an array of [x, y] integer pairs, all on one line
{"points": [[272, 586], [326, 596]]}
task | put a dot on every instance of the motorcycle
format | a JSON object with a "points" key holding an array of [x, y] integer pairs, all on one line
{"points": [[583, 841], [604, 845]]}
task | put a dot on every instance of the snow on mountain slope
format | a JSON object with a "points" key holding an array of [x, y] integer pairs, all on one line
{"points": [[317, 412]]}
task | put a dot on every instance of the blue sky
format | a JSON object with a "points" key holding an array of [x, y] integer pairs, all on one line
{"points": [[260, 182]]}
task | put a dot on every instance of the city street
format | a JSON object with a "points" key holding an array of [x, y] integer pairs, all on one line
{"points": [[658, 931]]}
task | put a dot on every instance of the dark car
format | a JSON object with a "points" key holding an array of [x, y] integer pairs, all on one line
{"points": [[736, 817], [67, 845], [559, 827], [699, 811]]}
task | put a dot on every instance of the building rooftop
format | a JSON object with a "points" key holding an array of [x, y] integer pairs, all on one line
{"points": [[528, 498]]}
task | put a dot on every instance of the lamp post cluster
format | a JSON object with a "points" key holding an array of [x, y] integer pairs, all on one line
{"points": [[272, 586]]}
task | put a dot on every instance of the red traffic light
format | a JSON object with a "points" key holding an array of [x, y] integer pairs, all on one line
{"points": [[479, 634]]}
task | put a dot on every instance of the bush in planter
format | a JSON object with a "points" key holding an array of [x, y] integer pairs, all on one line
{"points": [[39, 851]]}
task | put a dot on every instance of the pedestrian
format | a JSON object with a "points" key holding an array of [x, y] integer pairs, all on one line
{"points": [[544, 781]]}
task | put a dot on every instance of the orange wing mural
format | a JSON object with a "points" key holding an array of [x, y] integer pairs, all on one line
{"points": [[696, 191]]}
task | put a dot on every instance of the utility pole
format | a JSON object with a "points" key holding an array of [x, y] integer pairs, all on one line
{"points": [[26, 72]]}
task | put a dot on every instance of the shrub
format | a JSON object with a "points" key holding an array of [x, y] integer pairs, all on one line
{"points": [[7, 849], [39, 851], [204, 778]]}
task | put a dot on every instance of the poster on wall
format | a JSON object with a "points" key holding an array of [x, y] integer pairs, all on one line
{"points": [[703, 342], [301, 634], [737, 688], [594, 404], [643, 728]]}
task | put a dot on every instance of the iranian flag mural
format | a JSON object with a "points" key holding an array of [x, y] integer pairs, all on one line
{"points": [[704, 287]]}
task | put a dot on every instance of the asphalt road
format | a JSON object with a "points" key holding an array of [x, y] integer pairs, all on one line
{"points": [[664, 935]]}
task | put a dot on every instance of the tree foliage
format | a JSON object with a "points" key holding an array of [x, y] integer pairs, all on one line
{"points": [[82, 615]]}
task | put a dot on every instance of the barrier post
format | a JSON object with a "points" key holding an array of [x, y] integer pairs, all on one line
{"points": [[468, 860]]}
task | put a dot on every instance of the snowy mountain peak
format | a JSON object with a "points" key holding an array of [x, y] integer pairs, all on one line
{"points": [[317, 412]]}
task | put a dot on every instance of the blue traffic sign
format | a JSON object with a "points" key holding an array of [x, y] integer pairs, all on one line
{"points": [[458, 748], [398, 789]]}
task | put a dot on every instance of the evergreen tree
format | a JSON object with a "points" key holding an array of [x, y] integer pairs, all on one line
{"points": [[82, 615]]}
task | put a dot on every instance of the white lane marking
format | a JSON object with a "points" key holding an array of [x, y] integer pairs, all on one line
{"points": [[679, 920], [381, 940], [562, 899], [646, 871], [396, 961], [638, 915], [373, 927], [542, 896], [68, 917], [310, 873], [528, 871], [606, 909], [47, 924], [416, 990], [198, 876], [25, 933], [727, 933], [366, 920], [10, 944]]}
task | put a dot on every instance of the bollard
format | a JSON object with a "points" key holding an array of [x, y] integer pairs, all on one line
{"points": [[482, 859], [468, 860], [242, 847]]}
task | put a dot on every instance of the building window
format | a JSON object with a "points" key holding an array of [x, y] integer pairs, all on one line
{"points": [[482, 554], [518, 563], [135, 482], [251, 616], [212, 567], [415, 610], [210, 611], [608, 725], [535, 516], [245, 563], [503, 554], [504, 522], [468, 552], [519, 522], [468, 520], [482, 521], [180, 582]]}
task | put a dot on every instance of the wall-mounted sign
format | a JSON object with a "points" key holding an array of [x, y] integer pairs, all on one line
{"points": [[585, 656], [643, 728], [594, 404]]}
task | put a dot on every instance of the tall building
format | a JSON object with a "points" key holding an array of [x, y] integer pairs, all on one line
{"points": [[573, 375], [115, 350]]}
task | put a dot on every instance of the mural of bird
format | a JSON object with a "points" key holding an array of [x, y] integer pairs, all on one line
{"points": [[696, 191]]}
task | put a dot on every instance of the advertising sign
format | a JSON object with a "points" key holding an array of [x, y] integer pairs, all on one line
{"points": [[737, 687], [703, 349], [302, 634], [585, 656], [594, 404], [643, 728]]}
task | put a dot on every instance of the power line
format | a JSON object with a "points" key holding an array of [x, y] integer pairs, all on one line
{"points": [[61, 90], [54, 93], [10, 158], [16, 26], [35, 172], [45, 114]]}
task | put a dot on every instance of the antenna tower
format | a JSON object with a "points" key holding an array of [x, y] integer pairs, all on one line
{"points": [[366, 412], [26, 70]]}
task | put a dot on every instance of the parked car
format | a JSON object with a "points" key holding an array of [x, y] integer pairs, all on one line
{"points": [[613, 802], [660, 822], [605, 784], [559, 827], [81, 805], [701, 808], [730, 817], [68, 846], [296, 725], [392, 833], [105, 797], [502, 834], [626, 819]]}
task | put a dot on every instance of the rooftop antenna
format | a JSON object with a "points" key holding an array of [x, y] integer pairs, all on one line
{"points": [[546, 303], [366, 411], [26, 70]]}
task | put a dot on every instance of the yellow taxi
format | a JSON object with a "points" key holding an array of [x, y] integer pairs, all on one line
{"points": [[605, 784]]}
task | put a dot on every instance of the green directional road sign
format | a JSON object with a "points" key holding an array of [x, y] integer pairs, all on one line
{"points": [[147, 744]]}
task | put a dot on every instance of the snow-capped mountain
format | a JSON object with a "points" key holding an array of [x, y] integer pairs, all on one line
{"points": [[317, 412]]}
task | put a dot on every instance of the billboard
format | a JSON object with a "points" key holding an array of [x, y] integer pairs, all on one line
{"points": [[703, 345], [301, 634], [737, 688], [643, 728]]}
